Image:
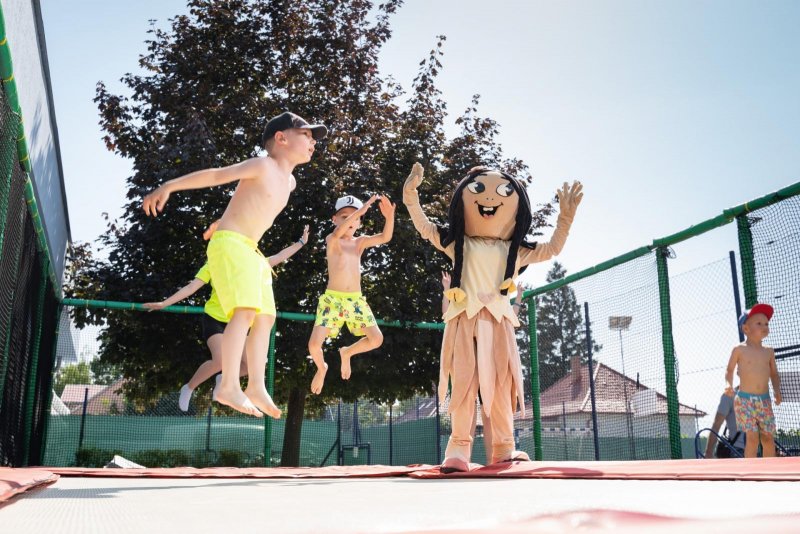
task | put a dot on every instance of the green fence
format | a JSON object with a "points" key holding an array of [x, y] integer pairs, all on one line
{"points": [[28, 291], [628, 364], [95, 421], [641, 369]]}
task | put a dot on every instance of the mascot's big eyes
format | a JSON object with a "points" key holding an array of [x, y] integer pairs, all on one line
{"points": [[505, 190], [476, 187]]}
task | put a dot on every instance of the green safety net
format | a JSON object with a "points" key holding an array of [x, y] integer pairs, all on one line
{"points": [[28, 308], [95, 420], [774, 232]]}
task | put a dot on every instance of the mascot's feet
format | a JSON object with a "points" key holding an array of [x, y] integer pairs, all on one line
{"points": [[516, 456], [453, 465]]}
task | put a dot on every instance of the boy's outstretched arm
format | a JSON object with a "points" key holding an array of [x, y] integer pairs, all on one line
{"points": [[186, 291], [154, 202], [340, 230], [387, 210], [289, 251], [776, 378], [568, 199], [734, 359]]}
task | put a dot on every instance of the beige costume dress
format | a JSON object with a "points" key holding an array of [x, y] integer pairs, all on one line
{"points": [[479, 349]]}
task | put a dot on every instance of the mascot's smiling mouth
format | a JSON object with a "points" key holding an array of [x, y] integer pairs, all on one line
{"points": [[487, 211]]}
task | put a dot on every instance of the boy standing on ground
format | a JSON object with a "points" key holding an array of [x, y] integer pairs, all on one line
{"points": [[342, 301], [241, 276], [756, 366]]}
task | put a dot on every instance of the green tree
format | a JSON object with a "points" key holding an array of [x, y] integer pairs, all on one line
{"points": [[561, 331], [104, 373], [212, 80], [77, 373]]}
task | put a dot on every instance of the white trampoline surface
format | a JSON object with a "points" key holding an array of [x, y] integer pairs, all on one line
{"points": [[397, 504]]}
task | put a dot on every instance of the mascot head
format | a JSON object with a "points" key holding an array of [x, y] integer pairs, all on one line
{"points": [[491, 204]]}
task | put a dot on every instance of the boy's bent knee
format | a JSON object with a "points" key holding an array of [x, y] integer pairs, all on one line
{"points": [[375, 339]]}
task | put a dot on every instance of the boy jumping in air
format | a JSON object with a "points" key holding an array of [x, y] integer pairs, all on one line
{"points": [[214, 319], [241, 276], [342, 301]]}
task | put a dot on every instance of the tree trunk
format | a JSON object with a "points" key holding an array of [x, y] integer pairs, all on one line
{"points": [[290, 456]]}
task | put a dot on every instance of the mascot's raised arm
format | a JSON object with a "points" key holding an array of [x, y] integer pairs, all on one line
{"points": [[487, 224]]}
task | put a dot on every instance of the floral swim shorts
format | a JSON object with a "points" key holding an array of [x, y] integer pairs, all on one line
{"points": [[754, 412], [337, 308]]}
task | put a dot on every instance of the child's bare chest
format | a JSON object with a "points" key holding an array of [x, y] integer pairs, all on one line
{"points": [[754, 362], [345, 251]]}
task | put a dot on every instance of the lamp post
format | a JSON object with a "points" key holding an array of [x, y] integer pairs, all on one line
{"points": [[620, 323]]}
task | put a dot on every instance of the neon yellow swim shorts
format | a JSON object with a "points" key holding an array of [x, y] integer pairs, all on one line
{"points": [[240, 274], [212, 307], [336, 308]]}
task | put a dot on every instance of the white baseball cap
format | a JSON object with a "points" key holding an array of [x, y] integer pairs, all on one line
{"points": [[348, 201]]}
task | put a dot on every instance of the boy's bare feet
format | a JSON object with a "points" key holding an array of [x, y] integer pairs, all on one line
{"points": [[238, 401], [345, 354], [319, 379], [262, 400]]}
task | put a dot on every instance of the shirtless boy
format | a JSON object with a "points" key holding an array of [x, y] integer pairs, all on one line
{"points": [[755, 365], [241, 276], [342, 303]]}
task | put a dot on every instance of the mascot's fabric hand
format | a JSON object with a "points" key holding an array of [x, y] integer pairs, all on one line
{"points": [[568, 199], [412, 183], [421, 222]]}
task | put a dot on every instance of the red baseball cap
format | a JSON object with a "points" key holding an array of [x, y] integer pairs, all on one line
{"points": [[766, 309]]}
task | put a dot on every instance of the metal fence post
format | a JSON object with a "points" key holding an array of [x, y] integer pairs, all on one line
{"points": [[270, 390], [535, 400], [748, 261], [673, 417], [591, 381]]}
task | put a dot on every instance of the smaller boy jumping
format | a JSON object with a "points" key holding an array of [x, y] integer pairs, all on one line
{"points": [[755, 365], [342, 303]]}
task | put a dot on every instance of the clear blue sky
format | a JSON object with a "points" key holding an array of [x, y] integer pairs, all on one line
{"points": [[668, 112]]}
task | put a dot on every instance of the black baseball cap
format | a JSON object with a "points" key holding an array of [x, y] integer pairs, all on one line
{"points": [[288, 120]]}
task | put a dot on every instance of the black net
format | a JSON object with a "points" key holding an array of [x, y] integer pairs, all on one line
{"points": [[366, 433], [27, 311], [102, 414], [775, 234], [630, 403], [705, 331]]}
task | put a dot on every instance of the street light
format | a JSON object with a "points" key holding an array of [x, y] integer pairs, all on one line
{"points": [[620, 323]]}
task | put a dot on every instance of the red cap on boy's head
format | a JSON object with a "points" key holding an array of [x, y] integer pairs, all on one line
{"points": [[766, 309]]}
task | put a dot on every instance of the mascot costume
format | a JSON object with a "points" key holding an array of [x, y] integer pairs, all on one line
{"points": [[488, 220]]}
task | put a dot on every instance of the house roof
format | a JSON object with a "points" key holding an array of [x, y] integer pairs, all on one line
{"points": [[100, 398], [427, 408], [571, 396], [75, 392]]}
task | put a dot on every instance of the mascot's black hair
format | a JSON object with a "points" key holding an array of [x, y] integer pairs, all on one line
{"points": [[455, 225]]}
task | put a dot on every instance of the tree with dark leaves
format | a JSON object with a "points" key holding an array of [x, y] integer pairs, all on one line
{"points": [[561, 330], [211, 82]]}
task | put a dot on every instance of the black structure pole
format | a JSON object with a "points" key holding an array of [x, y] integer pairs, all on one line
{"points": [[83, 416], [736, 298], [591, 381]]}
